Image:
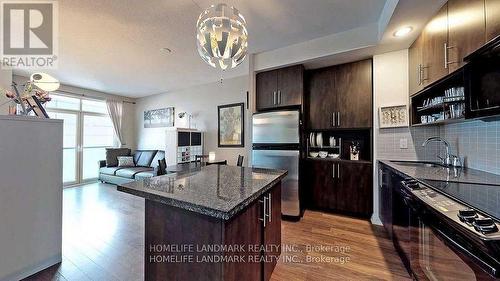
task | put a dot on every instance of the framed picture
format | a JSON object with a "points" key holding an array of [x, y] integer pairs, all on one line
{"points": [[231, 128], [156, 118], [393, 116]]}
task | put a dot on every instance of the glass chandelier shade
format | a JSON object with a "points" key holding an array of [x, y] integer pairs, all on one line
{"points": [[222, 37]]}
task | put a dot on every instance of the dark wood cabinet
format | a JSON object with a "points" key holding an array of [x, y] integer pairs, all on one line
{"points": [[465, 34], [343, 186], [322, 98], [256, 227], [322, 185], [459, 28], [340, 96], [244, 230], [280, 88], [353, 87], [272, 232], [492, 11], [435, 44], [266, 88], [290, 85], [354, 188], [416, 68]]}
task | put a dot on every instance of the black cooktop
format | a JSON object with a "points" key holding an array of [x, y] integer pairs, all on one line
{"points": [[485, 198]]}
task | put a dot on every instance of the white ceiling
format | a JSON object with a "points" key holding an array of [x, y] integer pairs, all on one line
{"points": [[114, 45]]}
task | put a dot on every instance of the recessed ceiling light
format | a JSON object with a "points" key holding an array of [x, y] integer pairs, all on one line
{"points": [[403, 31], [166, 50]]}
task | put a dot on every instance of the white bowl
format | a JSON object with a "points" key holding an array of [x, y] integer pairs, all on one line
{"points": [[333, 156], [323, 154], [313, 154]]}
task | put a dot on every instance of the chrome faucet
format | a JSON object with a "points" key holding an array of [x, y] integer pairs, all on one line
{"points": [[449, 159]]}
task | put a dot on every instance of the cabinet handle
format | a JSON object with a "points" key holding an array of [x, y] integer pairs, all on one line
{"points": [[279, 97], [263, 219], [419, 78], [446, 48], [333, 170], [338, 119], [338, 171], [274, 98], [333, 120], [270, 208], [445, 55]]}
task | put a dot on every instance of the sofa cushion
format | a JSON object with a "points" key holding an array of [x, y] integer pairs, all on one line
{"points": [[145, 158], [137, 155], [112, 155], [159, 156], [131, 172], [145, 175], [109, 170]]}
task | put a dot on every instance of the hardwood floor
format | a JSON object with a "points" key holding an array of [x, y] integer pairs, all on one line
{"points": [[103, 239]]}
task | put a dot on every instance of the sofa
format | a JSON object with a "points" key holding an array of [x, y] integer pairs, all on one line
{"points": [[146, 165]]}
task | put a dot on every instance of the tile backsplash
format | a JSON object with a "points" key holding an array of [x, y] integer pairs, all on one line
{"points": [[476, 141]]}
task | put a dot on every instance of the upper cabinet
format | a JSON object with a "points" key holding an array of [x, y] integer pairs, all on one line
{"points": [[266, 85], [340, 96], [435, 36], [353, 85], [416, 79], [492, 8], [322, 98], [466, 30], [280, 88], [459, 28]]}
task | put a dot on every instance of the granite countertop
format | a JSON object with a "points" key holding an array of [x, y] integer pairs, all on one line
{"points": [[218, 191], [443, 174]]}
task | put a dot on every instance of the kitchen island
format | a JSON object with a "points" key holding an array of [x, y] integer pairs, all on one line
{"points": [[216, 223]]}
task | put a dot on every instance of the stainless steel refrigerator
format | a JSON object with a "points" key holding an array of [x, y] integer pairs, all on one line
{"points": [[276, 145]]}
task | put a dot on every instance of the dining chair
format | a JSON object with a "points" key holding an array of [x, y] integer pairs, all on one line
{"points": [[239, 163], [162, 167]]}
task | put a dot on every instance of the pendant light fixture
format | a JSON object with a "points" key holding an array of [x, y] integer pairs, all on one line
{"points": [[222, 37]]}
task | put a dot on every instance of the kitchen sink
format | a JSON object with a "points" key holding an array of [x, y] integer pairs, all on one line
{"points": [[418, 164]]}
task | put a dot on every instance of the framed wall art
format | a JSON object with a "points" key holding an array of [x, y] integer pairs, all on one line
{"points": [[157, 118], [231, 128]]}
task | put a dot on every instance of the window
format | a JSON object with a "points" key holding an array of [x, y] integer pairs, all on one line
{"points": [[98, 133], [63, 102], [94, 106], [88, 130]]}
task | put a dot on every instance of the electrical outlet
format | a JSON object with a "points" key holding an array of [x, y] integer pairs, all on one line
{"points": [[403, 143]]}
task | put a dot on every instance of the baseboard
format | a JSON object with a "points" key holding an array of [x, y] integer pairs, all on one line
{"points": [[28, 271], [376, 220]]}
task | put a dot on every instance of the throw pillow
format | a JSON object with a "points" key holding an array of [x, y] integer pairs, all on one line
{"points": [[125, 161], [113, 153]]}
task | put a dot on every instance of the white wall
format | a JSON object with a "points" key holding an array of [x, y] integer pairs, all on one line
{"points": [[200, 101], [390, 87], [5, 84]]}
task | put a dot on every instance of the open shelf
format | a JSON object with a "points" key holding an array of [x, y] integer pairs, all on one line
{"points": [[433, 106], [344, 139]]}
